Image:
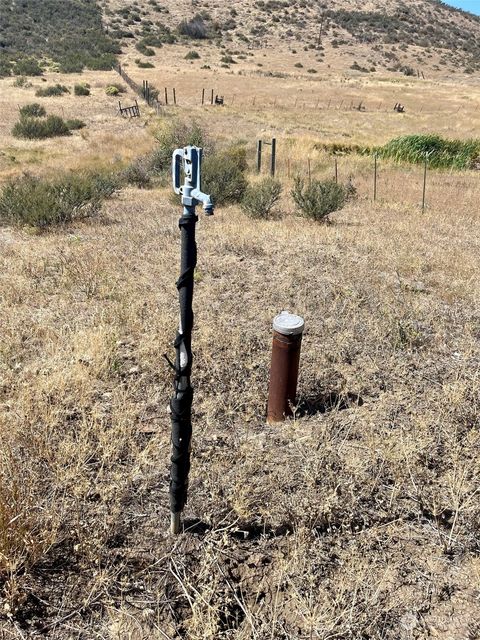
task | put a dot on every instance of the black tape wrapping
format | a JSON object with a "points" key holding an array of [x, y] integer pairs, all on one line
{"points": [[181, 402]]}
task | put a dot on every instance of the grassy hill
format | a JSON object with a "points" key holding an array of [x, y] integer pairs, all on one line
{"points": [[66, 33], [408, 38]]}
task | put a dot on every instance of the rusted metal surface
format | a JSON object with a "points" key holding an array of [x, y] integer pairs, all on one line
{"points": [[286, 347]]}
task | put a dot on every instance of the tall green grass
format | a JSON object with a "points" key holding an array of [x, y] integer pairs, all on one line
{"points": [[442, 153]]}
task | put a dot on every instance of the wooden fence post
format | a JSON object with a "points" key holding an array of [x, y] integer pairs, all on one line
{"points": [[259, 156], [424, 182], [274, 157], [166, 96], [174, 97], [203, 96]]}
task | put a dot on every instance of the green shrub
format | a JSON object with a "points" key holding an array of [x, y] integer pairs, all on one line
{"points": [[194, 28], [223, 176], [145, 65], [178, 134], [22, 82], [39, 128], [41, 203], [138, 173], [260, 199], [53, 90], [456, 154], [34, 110], [143, 49], [318, 199], [81, 90], [5, 68], [192, 55], [27, 67], [75, 124], [114, 89]]}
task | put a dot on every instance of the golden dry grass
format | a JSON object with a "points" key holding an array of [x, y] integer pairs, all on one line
{"points": [[357, 519]]}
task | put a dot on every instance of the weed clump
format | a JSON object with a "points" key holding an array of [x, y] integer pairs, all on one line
{"points": [[260, 199], [34, 202], [318, 199]]}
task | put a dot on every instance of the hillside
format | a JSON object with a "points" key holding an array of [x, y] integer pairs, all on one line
{"points": [[411, 38]]}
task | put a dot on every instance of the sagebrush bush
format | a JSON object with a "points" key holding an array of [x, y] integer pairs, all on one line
{"points": [[114, 89], [53, 90], [194, 28], [74, 124], [260, 199], [223, 176], [81, 90], [32, 110], [138, 173], [39, 128], [192, 55], [42, 203], [173, 136], [318, 198], [27, 67]]}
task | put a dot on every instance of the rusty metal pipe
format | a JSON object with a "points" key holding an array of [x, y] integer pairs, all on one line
{"points": [[287, 341]]}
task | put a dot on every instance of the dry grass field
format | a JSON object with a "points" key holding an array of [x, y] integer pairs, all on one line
{"points": [[357, 519]]}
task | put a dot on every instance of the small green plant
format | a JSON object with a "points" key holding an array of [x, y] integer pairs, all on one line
{"points": [[81, 90], [54, 90], [260, 199], [318, 199], [33, 110], [192, 55], [39, 128], [312, 71], [299, 65], [42, 203]]}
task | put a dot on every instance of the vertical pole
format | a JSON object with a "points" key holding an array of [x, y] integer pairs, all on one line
{"points": [[174, 97], [203, 96], [424, 182], [166, 96], [143, 89], [181, 402], [211, 98], [274, 157], [336, 171], [375, 180], [259, 156]]}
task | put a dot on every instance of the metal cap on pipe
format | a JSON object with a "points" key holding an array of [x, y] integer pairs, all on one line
{"points": [[288, 324]]}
